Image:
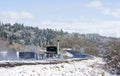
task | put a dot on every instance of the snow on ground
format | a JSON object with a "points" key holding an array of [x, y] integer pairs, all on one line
{"points": [[90, 67]]}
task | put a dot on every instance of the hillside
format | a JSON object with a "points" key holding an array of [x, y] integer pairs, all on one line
{"points": [[26, 35], [17, 37]]}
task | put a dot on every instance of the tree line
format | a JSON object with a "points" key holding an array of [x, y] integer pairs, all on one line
{"points": [[26, 35]]}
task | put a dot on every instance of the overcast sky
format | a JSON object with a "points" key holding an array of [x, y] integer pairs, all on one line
{"points": [[82, 16]]}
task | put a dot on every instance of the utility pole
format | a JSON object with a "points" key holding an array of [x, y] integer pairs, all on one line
{"points": [[58, 48]]}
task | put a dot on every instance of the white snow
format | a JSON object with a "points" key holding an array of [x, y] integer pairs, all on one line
{"points": [[90, 67], [67, 55]]}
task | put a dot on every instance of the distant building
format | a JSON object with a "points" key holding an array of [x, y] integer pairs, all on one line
{"points": [[51, 51], [8, 55], [31, 52], [27, 55]]}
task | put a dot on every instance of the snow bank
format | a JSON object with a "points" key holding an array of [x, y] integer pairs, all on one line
{"points": [[89, 67]]}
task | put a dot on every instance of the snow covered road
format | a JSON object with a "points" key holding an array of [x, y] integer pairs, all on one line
{"points": [[89, 67]]}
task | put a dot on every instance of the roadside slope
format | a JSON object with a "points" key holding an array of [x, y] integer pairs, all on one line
{"points": [[91, 67]]}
